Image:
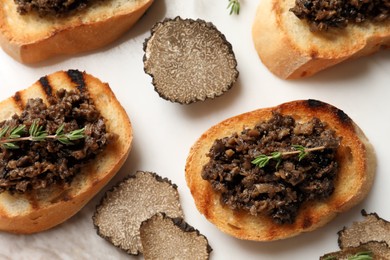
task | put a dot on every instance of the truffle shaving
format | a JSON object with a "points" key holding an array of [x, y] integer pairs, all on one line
{"points": [[372, 228], [189, 60], [126, 206], [163, 237]]}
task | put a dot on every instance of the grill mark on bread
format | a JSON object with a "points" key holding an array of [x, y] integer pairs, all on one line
{"points": [[315, 103], [307, 222], [343, 117], [63, 196], [32, 198], [340, 114], [77, 77], [44, 82], [314, 54], [233, 226], [18, 100]]}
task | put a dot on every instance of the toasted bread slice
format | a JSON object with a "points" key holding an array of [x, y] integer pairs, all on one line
{"points": [[30, 38], [355, 157], [38, 210], [290, 50]]}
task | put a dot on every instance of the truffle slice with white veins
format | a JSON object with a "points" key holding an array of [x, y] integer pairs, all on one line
{"points": [[164, 237], [189, 60], [127, 205], [372, 228]]}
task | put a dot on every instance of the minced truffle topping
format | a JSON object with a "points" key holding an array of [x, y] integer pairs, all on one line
{"points": [[35, 164], [280, 187], [51, 7], [324, 14]]}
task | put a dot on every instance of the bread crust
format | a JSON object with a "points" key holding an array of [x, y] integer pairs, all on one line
{"points": [[357, 166], [30, 38], [288, 49], [39, 210]]}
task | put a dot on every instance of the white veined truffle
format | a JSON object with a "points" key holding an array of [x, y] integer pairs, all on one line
{"points": [[164, 237], [189, 60], [371, 228], [122, 210], [366, 239]]}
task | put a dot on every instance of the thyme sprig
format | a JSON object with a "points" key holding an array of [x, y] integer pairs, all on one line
{"points": [[37, 134], [365, 255], [234, 6], [262, 160]]}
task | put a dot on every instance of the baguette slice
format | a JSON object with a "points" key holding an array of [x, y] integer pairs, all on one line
{"points": [[288, 49], [30, 38], [357, 165], [40, 210]]}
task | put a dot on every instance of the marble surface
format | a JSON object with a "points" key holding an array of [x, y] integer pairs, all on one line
{"points": [[164, 131]]}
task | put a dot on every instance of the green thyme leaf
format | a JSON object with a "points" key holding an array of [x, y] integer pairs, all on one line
{"points": [[302, 151], [63, 139], [16, 132], [331, 257], [234, 6], [76, 134], [278, 157], [10, 146], [37, 134], [262, 160], [3, 131], [40, 137], [365, 255], [60, 129], [33, 128]]}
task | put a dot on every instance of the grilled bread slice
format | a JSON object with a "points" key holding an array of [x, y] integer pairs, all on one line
{"points": [[290, 50], [39, 210], [30, 38], [355, 157]]}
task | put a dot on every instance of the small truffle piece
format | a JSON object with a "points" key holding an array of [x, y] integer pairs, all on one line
{"points": [[164, 237], [189, 60], [375, 249], [119, 215], [371, 228]]}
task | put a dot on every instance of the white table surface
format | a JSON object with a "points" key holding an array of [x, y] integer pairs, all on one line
{"points": [[165, 131]]}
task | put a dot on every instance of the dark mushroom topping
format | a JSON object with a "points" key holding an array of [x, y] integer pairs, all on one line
{"points": [[322, 15], [279, 185]]}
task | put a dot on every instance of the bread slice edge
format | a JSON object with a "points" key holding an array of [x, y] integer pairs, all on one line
{"points": [[357, 162], [37, 211]]}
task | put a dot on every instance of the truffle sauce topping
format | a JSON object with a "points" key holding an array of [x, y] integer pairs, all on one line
{"points": [[280, 186], [55, 156], [324, 14]]}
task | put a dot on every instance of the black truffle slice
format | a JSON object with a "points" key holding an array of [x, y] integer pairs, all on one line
{"points": [[375, 249], [189, 60], [371, 228], [164, 237], [119, 215]]}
